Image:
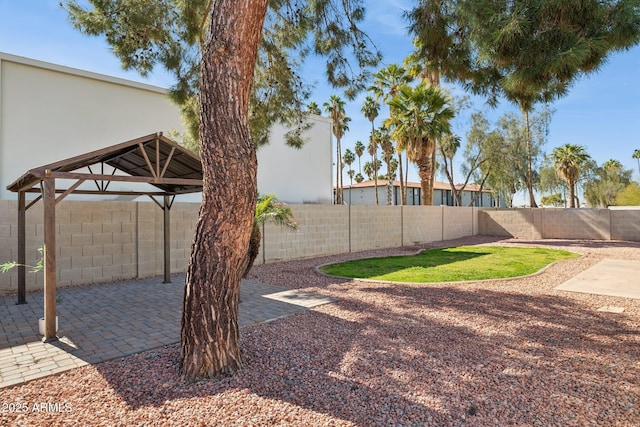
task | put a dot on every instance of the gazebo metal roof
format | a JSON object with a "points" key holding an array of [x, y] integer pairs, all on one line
{"points": [[152, 159]]}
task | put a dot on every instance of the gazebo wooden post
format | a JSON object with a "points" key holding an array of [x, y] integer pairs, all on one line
{"points": [[49, 198], [22, 248], [166, 208]]}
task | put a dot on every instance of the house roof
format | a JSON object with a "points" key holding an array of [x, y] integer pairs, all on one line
{"points": [[152, 159], [437, 185]]}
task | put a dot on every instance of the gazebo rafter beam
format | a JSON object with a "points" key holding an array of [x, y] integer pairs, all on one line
{"points": [[146, 158]]}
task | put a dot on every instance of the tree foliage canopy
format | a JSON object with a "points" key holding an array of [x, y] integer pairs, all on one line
{"points": [[606, 182], [568, 161], [146, 34], [529, 51], [630, 196]]}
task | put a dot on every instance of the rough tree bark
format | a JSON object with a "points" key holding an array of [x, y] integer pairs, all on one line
{"points": [[210, 335], [572, 194], [254, 250], [425, 171]]}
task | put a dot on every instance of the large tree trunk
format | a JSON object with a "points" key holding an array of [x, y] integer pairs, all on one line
{"points": [[254, 249], [210, 339]]}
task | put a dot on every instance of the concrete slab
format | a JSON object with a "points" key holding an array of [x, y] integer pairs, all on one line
{"points": [[611, 309], [611, 277], [300, 298]]}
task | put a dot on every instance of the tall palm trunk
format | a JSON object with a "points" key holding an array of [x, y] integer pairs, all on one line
{"points": [[532, 200], [338, 172], [375, 162], [341, 178], [572, 194], [433, 171], [403, 192], [426, 184], [209, 335], [406, 177], [434, 79], [425, 165]]}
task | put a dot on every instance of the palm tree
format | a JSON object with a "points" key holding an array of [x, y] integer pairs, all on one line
{"points": [[351, 174], [387, 81], [568, 161], [421, 116], [372, 149], [313, 108], [359, 149], [267, 209], [636, 155], [368, 170], [370, 109], [348, 158], [387, 150], [335, 108]]}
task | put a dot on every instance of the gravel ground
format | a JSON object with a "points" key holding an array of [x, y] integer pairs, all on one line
{"points": [[512, 352]]}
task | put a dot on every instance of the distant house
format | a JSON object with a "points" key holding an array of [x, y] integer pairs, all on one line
{"points": [[50, 112], [364, 194]]}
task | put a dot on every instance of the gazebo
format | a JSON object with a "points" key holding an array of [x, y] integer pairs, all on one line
{"points": [[152, 159]]}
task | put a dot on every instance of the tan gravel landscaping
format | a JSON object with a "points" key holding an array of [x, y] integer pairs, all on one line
{"points": [[509, 352]]}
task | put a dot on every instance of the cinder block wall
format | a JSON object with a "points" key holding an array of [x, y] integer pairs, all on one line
{"points": [[98, 241], [422, 224], [9, 244], [458, 222], [375, 228], [520, 223], [576, 224], [625, 225], [103, 241], [329, 230], [95, 241], [591, 224], [322, 230]]}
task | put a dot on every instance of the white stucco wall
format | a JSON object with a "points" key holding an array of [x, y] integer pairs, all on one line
{"points": [[50, 112], [298, 175]]}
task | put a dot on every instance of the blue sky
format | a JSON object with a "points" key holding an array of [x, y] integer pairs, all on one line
{"points": [[601, 112]]}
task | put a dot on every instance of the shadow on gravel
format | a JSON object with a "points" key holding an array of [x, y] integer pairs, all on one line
{"points": [[404, 355]]}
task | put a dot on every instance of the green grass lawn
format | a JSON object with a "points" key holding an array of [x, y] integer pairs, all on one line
{"points": [[451, 264]]}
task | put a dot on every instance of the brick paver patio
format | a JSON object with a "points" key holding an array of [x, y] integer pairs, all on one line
{"points": [[105, 321]]}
